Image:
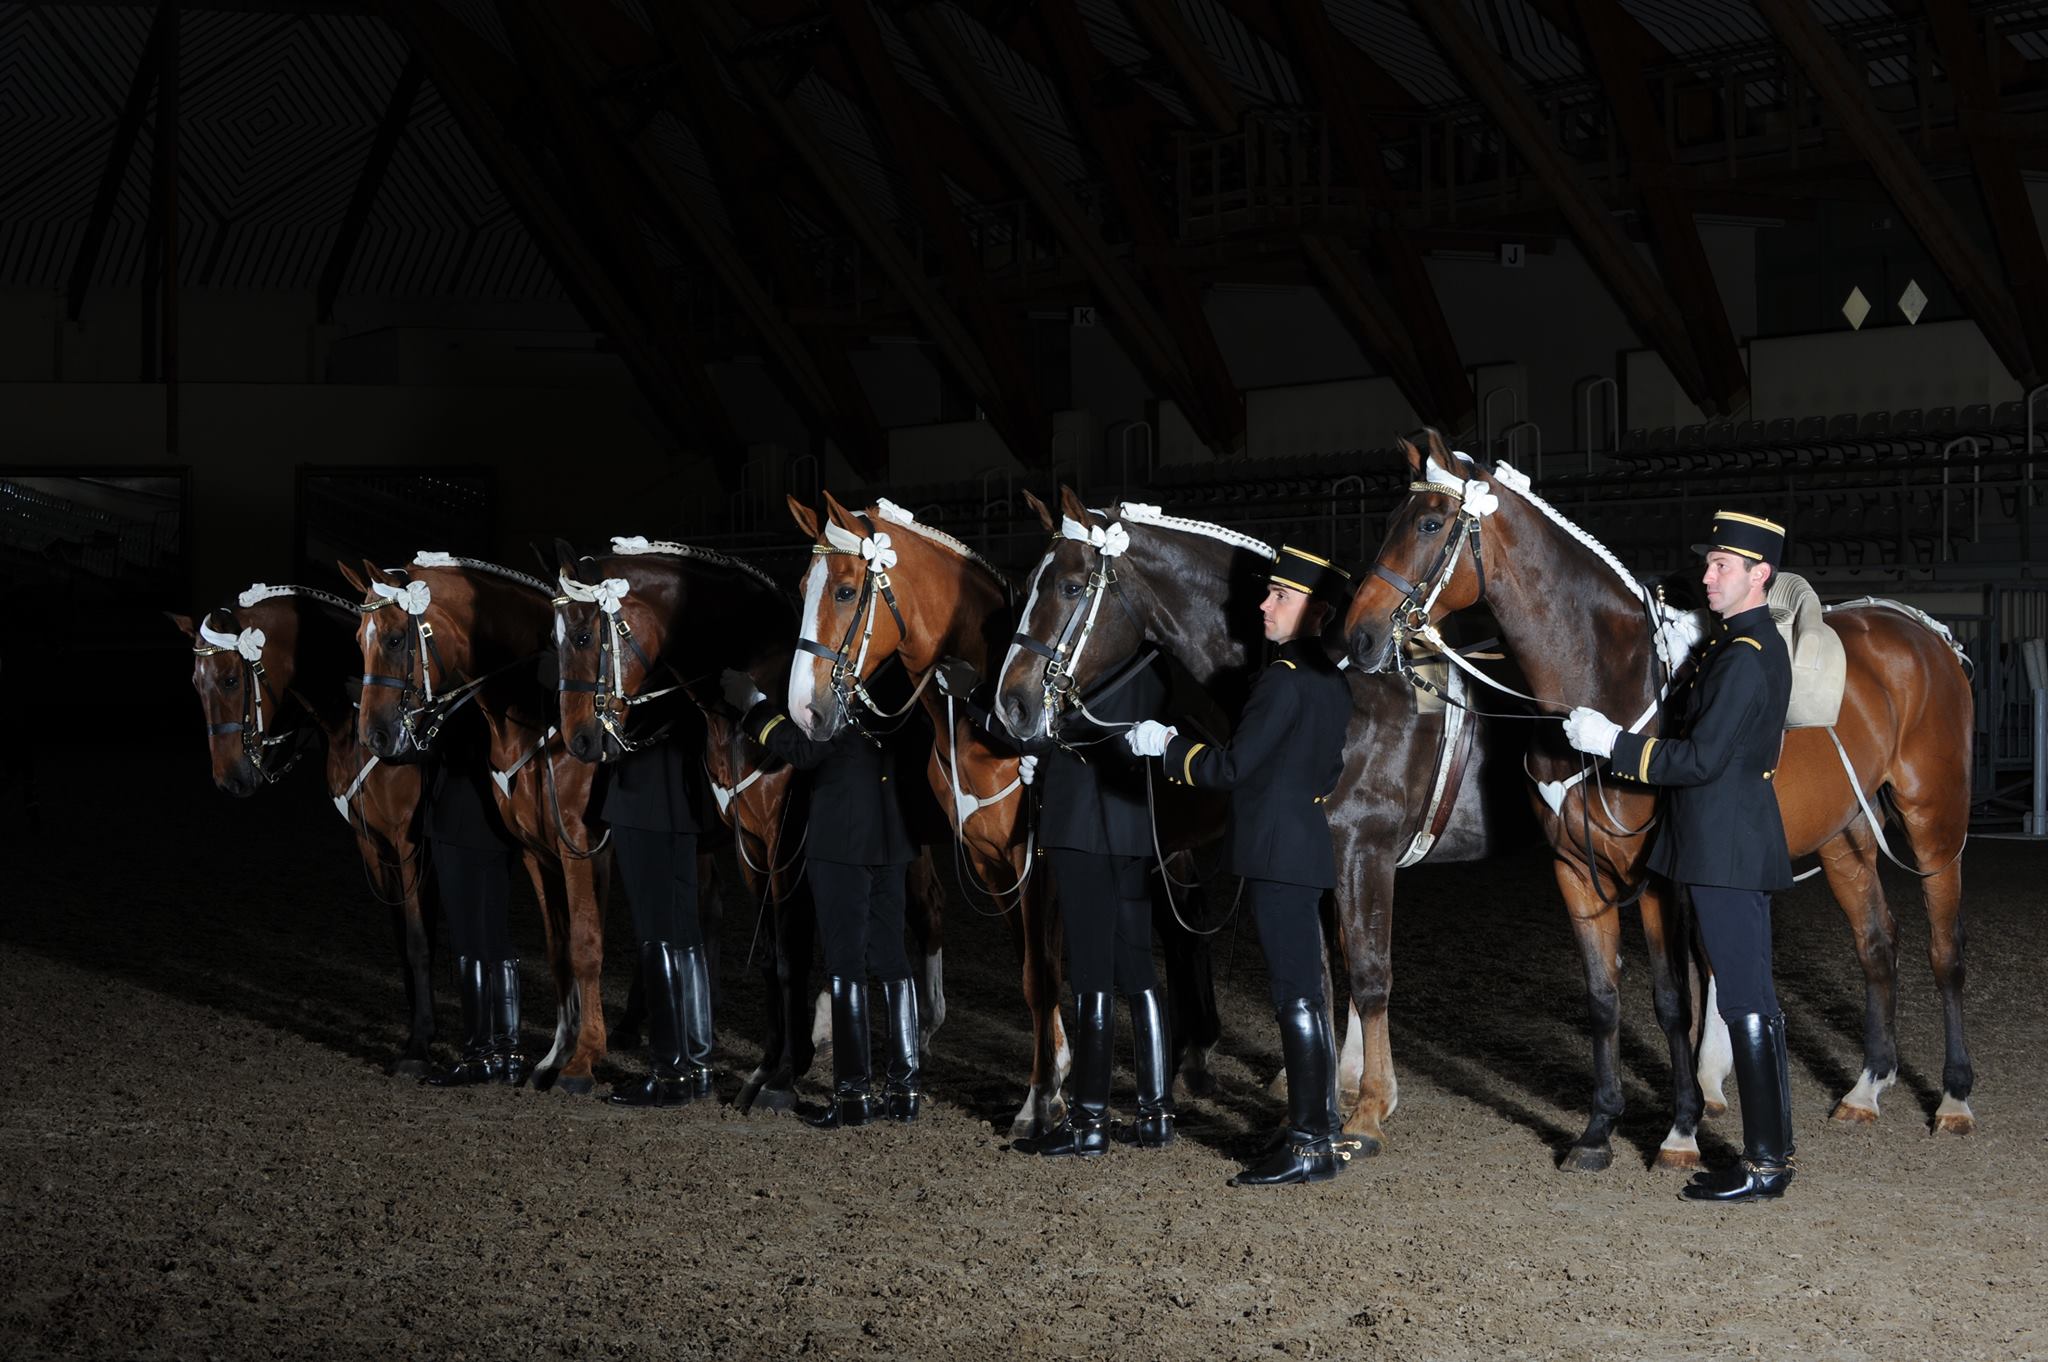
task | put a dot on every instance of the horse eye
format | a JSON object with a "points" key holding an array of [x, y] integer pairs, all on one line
{"points": [[1430, 526], [1070, 589], [391, 644], [843, 595], [582, 639], [230, 681]]}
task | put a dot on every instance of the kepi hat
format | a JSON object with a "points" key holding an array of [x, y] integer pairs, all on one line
{"points": [[1311, 574], [1745, 536]]}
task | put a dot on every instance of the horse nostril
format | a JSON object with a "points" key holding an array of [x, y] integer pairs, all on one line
{"points": [[380, 741]]}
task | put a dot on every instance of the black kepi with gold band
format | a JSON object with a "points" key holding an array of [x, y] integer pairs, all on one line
{"points": [[1311, 574], [1745, 536]]}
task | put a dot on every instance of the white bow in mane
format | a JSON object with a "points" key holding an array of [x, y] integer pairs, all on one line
{"points": [[1479, 498], [607, 593], [1110, 542], [413, 597], [249, 642]]}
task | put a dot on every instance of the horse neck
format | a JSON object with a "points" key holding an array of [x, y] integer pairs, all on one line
{"points": [[1579, 635], [962, 629], [1182, 585], [708, 612], [506, 621], [324, 658]]}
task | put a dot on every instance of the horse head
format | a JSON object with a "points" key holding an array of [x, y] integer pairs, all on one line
{"points": [[842, 630], [243, 665], [1429, 564], [1067, 640], [611, 621], [418, 648]]}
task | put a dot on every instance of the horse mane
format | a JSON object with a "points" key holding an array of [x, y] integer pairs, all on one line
{"points": [[1515, 480], [630, 546], [263, 591], [1140, 514], [430, 558], [896, 515]]}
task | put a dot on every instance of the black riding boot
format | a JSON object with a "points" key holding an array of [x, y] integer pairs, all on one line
{"points": [[901, 1099], [1312, 1150], [475, 1065], [1084, 1131], [667, 1084], [852, 1104], [1764, 1084], [1152, 1060], [697, 1032], [508, 1061]]}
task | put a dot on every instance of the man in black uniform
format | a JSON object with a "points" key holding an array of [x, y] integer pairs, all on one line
{"points": [[1281, 765], [1722, 837], [1095, 830], [858, 852]]}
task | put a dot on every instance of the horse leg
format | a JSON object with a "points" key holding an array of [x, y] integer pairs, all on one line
{"points": [[1365, 923], [1716, 1052], [710, 917], [1597, 927], [582, 887], [415, 944], [1192, 1016], [927, 898], [554, 933], [1850, 860], [1050, 1058], [1936, 831], [1670, 962]]}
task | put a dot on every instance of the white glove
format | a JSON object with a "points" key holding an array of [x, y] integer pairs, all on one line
{"points": [[1591, 731], [1149, 738], [1027, 769], [740, 691], [1676, 637]]}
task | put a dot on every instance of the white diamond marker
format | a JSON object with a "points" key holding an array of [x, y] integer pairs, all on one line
{"points": [[1856, 309], [1912, 302]]}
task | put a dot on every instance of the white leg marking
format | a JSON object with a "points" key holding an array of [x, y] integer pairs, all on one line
{"points": [[1863, 1097], [1675, 1143], [1351, 1061], [1717, 1053], [821, 1022], [1954, 1114]]}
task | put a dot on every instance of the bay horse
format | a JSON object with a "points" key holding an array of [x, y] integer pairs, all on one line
{"points": [[1414, 785], [1583, 630], [271, 672], [444, 632], [882, 585]]}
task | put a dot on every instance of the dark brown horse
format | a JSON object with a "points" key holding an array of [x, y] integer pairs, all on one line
{"points": [[1191, 588], [1580, 627], [444, 632], [274, 673]]}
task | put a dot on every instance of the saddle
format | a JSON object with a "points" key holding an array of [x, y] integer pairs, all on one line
{"points": [[1819, 666]]}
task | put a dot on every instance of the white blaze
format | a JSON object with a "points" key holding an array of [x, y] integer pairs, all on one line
{"points": [[1010, 657], [803, 671]]}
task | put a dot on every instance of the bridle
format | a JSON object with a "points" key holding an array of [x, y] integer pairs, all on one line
{"points": [[423, 721], [253, 727], [1411, 614], [1060, 688], [610, 698], [876, 590]]}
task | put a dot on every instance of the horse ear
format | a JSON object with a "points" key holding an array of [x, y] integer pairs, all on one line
{"points": [[806, 518], [1440, 451], [353, 578], [839, 514], [189, 625], [565, 558], [1414, 459], [1071, 505], [1044, 515]]}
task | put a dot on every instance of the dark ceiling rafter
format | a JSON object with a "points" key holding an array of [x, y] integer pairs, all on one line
{"points": [[119, 154], [390, 128], [1619, 49], [1401, 320], [1995, 160], [685, 221], [1221, 418], [1642, 295], [715, 21], [487, 99], [1845, 87], [1023, 414], [1206, 87]]}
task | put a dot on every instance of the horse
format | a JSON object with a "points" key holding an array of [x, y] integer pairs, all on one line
{"points": [[1414, 785], [444, 632], [883, 585], [270, 672], [1584, 631]]}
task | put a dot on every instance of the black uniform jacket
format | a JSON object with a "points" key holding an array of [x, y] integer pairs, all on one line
{"points": [[1094, 799], [857, 797], [462, 809], [657, 788], [1280, 765], [1721, 825]]}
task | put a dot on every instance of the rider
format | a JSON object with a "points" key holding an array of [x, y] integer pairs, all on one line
{"points": [[858, 850], [1282, 763], [1722, 835], [1095, 827]]}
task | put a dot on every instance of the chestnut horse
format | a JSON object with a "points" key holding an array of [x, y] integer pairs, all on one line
{"points": [[445, 632], [1582, 630], [881, 585], [1412, 786], [285, 659]]}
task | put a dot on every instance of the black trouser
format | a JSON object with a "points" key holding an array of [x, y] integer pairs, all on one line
{"points": [[1291, 933], [860, 918], [1106, 912], [475, 884], [1735, 924], [659, 872]]}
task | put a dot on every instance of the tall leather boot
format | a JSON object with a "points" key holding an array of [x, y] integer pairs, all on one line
{"points": [[1312, 1150], [698, 1035], [508, 1061], [666, 1084], [1764, 1083], [901, 1099], [1152, 1060], [475, 1065], [852, 1104], [1084, 1131]]}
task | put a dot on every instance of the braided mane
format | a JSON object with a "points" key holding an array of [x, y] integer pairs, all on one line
{"points": [[896, 515], [430, 558]]}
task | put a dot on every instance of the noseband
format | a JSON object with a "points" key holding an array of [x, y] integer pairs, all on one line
{"points": [[612, 701], [1411, 614], [257, 741]]}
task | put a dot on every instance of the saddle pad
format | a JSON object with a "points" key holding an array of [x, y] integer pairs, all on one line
{"points": [[1819, 666], [1437, 673]]}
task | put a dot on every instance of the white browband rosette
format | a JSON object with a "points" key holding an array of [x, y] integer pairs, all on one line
{"points": [[881, 557], [608, 593], [1478, 497], [249, 642], [1110, 542], [413, 597]]}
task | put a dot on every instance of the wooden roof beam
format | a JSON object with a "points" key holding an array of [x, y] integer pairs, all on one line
{"points": [[118, 155], [1203, 82], [383, 147]]}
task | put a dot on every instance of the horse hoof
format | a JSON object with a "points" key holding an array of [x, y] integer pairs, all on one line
{"points": [[1198, 1082], [1678, 1160], [1711, 1109], [409, 1068], [1368, 1146], [775, 1099], [1588, 1158], [1861, 1116], [576, 1087], [1954, 1117]]}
